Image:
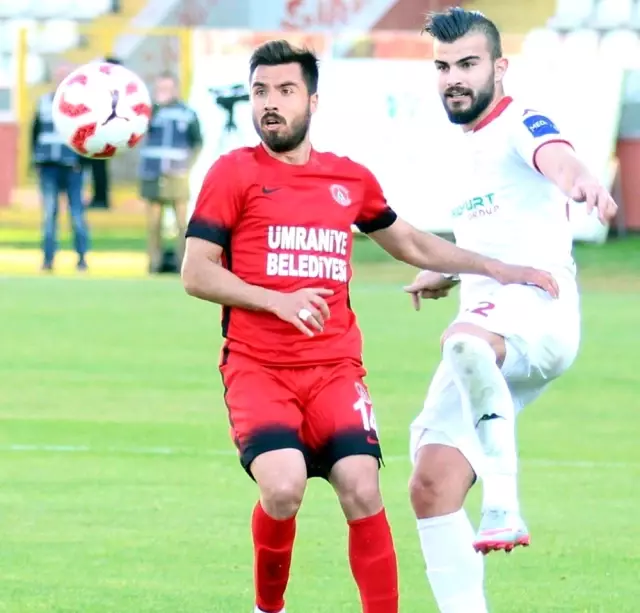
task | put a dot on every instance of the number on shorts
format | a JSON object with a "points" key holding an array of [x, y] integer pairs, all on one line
{"points": [[364, 406], [483, 308]]}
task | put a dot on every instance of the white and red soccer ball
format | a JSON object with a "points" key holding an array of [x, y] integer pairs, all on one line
{"points": [[101, 110]]}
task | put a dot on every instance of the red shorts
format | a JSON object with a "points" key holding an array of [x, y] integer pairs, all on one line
{"points": [[324, 411]]}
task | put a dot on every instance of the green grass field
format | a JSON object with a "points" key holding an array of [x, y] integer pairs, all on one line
{"points": [[120, 491]]}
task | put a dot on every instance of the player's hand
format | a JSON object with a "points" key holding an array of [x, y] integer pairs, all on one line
{"points": [[306, 309], [429, 286], [508, 274], [589, 191]]}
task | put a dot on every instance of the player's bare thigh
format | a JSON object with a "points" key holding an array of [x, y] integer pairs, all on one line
{"points": [[440, 480], [356, 482], [281, 476]]}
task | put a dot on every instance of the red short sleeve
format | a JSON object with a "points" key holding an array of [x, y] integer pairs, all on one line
{"points": [[375, 214], [219, 203]]}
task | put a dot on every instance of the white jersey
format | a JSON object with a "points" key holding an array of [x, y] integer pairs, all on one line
{"points": [[510, 211], [513, 213]]}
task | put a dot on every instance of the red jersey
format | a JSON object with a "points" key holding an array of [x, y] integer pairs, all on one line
{"points": [[287, 227]]}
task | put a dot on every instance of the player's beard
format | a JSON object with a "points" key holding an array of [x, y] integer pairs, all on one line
{"points": [[480, 101], [289, 135]]}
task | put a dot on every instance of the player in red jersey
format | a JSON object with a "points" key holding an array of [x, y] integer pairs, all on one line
{"points": [[270, 240]]}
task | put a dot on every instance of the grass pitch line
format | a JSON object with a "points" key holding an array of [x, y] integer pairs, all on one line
{"points": [[227, 453]]}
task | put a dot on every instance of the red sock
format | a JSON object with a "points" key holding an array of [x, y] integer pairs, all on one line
{"points": [[373, 563], [273, 546]]}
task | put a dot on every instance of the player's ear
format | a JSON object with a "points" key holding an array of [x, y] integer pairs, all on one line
{"points": [[313, 103], [501, 66]]}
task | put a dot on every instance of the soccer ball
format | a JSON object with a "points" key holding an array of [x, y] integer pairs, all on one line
{"points": [[101, 110]]}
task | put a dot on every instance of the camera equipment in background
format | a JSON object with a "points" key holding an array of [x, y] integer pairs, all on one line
{"points": [[227, 98]]}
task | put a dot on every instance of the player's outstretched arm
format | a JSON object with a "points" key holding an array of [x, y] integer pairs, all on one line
{"points": [[558, 162], [204, 277], [430, 252]]}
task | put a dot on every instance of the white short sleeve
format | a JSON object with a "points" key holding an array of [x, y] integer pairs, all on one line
{"points": [[531, 131]]}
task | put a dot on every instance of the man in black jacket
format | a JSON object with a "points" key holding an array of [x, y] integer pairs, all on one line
{"points": [[59, 170]]}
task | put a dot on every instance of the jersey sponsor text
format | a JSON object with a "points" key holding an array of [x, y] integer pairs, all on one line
{"points": [[325, 244], [478, 206]]}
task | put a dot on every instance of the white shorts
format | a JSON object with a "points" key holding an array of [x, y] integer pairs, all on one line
{"points": [[543, 336]]}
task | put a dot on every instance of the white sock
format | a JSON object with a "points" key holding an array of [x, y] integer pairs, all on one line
{"points": [[454, 569], [500, 492], [482, 385]]}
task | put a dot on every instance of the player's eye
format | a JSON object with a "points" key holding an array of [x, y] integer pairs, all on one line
{"points": [[467, 64], [258, 92], [287, 91], [441, 67]]}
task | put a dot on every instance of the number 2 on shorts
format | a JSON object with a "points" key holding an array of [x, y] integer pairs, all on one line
{"points": [[483, 308], [364, 406]]}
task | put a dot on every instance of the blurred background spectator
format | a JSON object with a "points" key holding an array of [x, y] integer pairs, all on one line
{"points": [[167, 156], [59, 171]]}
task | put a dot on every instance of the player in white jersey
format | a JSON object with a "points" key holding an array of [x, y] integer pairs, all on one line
{"points": [[507, 343]]}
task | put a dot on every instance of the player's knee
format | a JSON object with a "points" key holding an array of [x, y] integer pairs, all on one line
{"points": [[361, 498], [426, 491], [282, 498], [439, 485], [355, 480], [281, 475]]}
